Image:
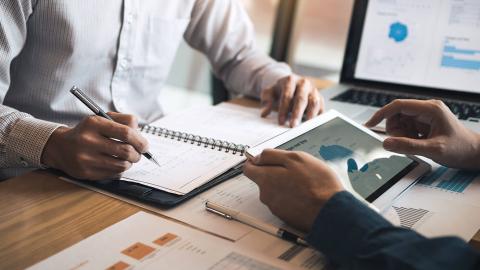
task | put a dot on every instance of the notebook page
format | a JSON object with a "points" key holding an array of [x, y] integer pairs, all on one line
{"points": [[183, 166], [186, 166], [227, 122]]}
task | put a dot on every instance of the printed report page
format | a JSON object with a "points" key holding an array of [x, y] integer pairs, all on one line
{"points": [[145, 241]]}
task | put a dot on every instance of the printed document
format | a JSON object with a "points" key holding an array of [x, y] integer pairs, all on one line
{"points": [[145, 241]]}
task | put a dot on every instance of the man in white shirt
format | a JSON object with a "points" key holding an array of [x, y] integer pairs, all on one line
{"points": [[119, 52]]}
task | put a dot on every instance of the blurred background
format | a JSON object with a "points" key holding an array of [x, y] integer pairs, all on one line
{"points": [[316, 42]]}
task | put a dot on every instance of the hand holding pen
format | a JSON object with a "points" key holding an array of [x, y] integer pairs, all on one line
{"points": [[97, 148]]}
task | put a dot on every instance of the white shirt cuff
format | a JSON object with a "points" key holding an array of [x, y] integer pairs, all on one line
{"points": [[25, 142], [272, 75]]}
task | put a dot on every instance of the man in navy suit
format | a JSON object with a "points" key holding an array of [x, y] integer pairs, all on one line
{"points": [[305, 193]]}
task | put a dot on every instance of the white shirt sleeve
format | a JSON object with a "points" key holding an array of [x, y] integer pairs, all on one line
{"points": [[22, 137], [222, 30]]}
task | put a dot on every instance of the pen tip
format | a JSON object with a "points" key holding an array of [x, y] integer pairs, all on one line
{"points": [[155, 161]]}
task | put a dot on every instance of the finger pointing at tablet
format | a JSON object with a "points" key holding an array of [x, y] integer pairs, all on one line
{"points": [[430, 129]]}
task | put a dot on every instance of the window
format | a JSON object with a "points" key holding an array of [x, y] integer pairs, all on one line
{"points": [[262, 13], [189, 83], [319, 36]]}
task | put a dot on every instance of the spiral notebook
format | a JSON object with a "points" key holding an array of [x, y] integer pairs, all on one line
{"points": [[199, 146]]}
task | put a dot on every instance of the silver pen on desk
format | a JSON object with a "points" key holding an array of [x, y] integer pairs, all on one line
{"points": [[258, 224], [98, 111]]}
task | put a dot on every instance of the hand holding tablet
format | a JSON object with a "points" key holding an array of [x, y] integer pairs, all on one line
{"points": [[355, 154]]}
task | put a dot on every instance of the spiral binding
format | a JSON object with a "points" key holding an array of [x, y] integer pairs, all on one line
{"points": [[196, 139]]}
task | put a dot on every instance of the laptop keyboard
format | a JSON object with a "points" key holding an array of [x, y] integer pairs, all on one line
{"points": [[462, 110]]}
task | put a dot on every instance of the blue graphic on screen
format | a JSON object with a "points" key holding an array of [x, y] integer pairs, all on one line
{"points": [[398, 32], [369, 177], [353, 167], [334, 152], [457, 182], [338, 152], [461, 58]]}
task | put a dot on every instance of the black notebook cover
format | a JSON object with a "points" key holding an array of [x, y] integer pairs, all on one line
{"points": [[151, 196]]}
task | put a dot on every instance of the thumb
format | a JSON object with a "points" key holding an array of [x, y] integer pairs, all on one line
{"points": [[408, 146], [272, 157]]}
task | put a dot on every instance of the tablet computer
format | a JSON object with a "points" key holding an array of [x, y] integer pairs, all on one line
{"points": [[356, 154]]}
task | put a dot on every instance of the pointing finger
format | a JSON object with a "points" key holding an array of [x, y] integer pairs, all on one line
{"points": [[399, 106]]}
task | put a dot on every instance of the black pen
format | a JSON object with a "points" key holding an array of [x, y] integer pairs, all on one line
{"points": [[98, 111]]}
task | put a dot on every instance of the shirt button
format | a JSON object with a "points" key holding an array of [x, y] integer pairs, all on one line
{"points": [[120, 106], [124, 64], [130, 18]]}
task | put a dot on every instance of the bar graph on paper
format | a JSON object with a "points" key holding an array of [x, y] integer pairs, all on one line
{"points": [[449, 180], [409, 217], [237, 261]]}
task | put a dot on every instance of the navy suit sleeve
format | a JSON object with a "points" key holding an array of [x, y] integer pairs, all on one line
{"points": [[353, 236]]}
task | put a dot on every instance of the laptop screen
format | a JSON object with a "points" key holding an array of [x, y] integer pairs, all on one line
{"points": [[426, 43]]}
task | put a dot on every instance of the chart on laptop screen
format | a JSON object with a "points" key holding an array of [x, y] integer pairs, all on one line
{"points": [[432, 43]]}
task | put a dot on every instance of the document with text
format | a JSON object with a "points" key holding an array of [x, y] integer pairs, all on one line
{"points": [[145, 241]]}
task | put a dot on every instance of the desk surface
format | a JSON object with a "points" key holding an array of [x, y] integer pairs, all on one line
{"points": [[41, 215]]}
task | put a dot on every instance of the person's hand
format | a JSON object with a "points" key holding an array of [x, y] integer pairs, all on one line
{"points": [[97, 148], [292, 96], [294, 185], [430, 129]]}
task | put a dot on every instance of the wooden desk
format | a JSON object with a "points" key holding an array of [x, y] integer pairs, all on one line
{"points": [[41, 215]]}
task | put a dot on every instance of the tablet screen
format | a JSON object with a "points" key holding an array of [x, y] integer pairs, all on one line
{"points": [[358, 158]]}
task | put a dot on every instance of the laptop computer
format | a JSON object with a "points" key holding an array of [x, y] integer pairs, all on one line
{"points": [[422, 49]]}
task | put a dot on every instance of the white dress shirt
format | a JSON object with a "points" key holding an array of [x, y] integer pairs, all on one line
{"points": [[119, 52]]}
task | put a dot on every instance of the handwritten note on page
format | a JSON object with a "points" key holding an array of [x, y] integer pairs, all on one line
{"points": [[183, 166]]}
